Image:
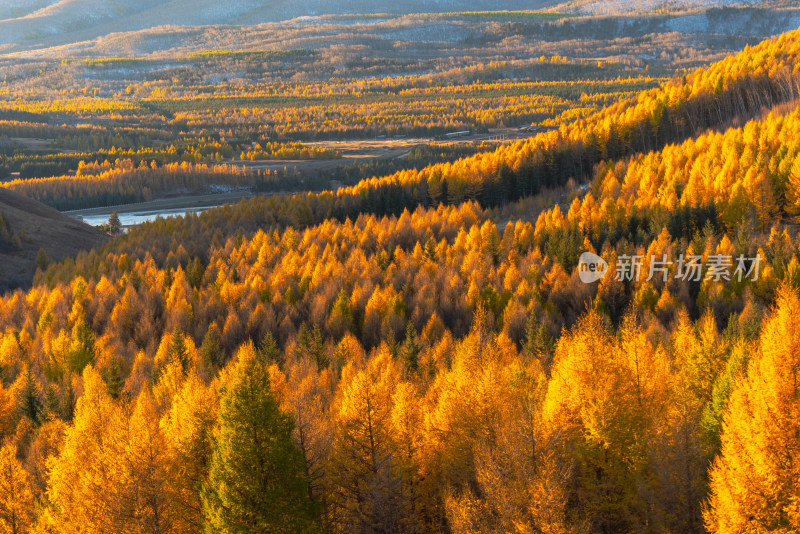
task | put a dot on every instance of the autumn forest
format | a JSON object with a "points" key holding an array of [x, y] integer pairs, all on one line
{"points": [[392, 330]]}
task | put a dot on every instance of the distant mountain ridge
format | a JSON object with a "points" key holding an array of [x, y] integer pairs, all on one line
{"points": [[40, 21], [27, 24]]}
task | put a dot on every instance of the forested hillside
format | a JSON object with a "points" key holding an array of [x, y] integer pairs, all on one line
{"points": [[420, 352], [730, 91]]}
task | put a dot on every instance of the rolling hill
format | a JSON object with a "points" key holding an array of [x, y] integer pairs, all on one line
{"points": [[33, 226]]}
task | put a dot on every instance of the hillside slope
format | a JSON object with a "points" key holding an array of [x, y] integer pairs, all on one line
{"points": [[734, 89], [37, 226], [611, 7]]}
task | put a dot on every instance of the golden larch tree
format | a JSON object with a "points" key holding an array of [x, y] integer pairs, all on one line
{"points": [[755, 482], [16, 497]]}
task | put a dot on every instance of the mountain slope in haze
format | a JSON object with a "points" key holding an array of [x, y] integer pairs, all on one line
{"points": [[613, 7], [11, 9], [34, 226], [72, 20]]}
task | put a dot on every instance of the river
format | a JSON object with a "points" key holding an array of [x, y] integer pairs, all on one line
{"points": [[133, 214]]}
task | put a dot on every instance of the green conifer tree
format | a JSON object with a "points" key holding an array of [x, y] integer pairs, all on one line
{"points": [[256, 482]]}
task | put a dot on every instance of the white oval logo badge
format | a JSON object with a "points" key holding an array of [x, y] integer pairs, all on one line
{"points": [[591, 267]]}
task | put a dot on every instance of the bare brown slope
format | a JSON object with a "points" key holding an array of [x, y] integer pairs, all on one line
{"points": [[38, 226]]}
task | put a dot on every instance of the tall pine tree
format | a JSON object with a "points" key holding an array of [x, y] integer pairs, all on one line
{"points": [[256, 482]]}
